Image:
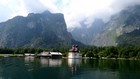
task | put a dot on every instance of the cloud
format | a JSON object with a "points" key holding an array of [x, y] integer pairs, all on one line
{"points": [[11, 8], [75, 11]]}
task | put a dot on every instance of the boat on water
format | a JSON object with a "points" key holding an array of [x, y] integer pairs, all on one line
{"points": [[74, 52]]}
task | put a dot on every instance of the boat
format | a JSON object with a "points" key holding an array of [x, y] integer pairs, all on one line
{"points": [[74, 52]]}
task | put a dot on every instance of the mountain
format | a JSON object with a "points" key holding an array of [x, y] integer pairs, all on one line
{"points": [[36, 30], [119, 30], [131, 38], [120, 24], [85, 34]]}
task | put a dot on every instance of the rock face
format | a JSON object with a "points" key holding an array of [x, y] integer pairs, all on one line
{"points": [[120, 30], [85, 35], [36, 30], [120, 24], [131, 38]]}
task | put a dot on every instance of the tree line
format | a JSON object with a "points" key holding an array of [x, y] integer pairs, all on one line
{"points": [[96, 52], [112, 52], [30, 50]]}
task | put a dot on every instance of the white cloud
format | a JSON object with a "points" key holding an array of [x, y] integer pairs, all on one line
{"points": [[10, 8], [50, 5], [75, 11]]}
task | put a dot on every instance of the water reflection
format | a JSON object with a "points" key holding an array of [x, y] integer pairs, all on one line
{"points": [[35, 68], [74, 64], [114, 65], [50, 62], [29, 59]]}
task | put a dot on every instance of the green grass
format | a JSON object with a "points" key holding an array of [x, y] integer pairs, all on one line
{"points": [[11, 55]]}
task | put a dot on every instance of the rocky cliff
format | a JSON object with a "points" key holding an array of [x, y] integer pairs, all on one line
{"points": [[36, 30]]}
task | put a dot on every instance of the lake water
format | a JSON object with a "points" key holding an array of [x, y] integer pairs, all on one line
{"points": [[30, 68]]}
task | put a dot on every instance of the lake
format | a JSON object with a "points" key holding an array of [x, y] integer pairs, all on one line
{"points": [[35, 68]]}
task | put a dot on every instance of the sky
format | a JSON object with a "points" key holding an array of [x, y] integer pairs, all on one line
{"points": [[75, 11]]}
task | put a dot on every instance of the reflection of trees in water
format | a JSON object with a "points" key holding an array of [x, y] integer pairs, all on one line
{"points": [[108, 69], [120, 65], [84, 69], [14, 68]]}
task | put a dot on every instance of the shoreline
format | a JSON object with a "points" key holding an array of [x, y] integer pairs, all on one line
{"points": [[101, 58], [105, 58], [11, 55]]}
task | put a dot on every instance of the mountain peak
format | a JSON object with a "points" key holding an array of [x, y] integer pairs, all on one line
{"points": [[46, 12], [36, 30]]}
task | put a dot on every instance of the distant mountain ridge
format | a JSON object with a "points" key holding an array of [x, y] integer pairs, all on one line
{"points": [[131, 38], [36, 30], [120, 30], [85, 35], [49, 30], [124, 22]]}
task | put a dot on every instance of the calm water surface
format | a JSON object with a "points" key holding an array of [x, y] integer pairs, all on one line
{"points": [[30, 68]]}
